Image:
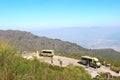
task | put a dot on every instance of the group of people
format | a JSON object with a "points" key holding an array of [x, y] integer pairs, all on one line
{"points": [[60, 61]]}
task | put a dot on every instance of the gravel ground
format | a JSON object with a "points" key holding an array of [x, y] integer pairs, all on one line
{"points": [[66, 61]]}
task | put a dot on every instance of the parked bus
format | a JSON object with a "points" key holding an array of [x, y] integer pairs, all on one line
{"points": [[90, 61], [49, 53]]}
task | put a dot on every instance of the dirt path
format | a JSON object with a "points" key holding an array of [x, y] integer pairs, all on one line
{"points": [[66, 61]]}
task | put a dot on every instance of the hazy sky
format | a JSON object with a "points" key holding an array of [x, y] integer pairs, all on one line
{"points": [[39, 14]]}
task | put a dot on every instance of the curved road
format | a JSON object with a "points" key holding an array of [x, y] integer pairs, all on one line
{"points": [[66, 61]]}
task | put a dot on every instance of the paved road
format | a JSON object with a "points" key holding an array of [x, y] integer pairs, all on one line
{"points": [[66, 61]]}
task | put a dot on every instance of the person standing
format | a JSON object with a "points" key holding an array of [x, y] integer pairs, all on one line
{"points": [[51, 60], [60, 62]]}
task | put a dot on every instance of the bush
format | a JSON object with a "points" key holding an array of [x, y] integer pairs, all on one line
{"points": [[14, 67], [116, 69]]}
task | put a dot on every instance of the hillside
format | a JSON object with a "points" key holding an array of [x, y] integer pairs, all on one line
{"points": [[14, 67], [26, 41]]}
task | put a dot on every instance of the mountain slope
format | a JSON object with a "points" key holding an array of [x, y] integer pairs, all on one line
{"points": [[26, 41]]}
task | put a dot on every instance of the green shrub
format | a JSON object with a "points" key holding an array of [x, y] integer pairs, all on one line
{"points": [[14, 67], [116, 69]]}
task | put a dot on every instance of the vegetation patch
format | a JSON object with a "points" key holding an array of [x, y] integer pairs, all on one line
{"points": [[14, 67]]}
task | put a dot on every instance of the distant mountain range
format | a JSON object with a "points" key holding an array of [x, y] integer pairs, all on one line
{"points": [[26, 41], [89, 37]]}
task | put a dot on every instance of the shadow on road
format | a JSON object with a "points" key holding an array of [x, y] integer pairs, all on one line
{"points": [[85, 65], [79, 62]]}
